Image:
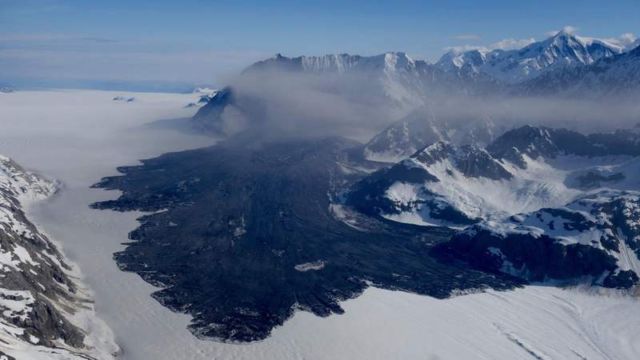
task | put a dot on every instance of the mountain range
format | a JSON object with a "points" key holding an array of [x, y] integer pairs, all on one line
{"points": [[492, 177], [563, 49], [562, 66], [532, 187], [614, 75]]}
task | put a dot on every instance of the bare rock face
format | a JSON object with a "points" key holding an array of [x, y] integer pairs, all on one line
{"points": [[209, 117]]}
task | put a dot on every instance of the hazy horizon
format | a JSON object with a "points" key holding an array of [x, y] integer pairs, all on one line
{"points": [[170, 46]]}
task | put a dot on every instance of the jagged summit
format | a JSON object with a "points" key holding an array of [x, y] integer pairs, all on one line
{"points": [[538, 142], [617, 75], [339, 63], [522, 170], [470, 160], [467, 61], [514, 66], [564, 63]]}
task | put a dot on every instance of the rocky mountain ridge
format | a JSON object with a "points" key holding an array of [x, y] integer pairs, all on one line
{"points": [[41, 304], [552, 189]]}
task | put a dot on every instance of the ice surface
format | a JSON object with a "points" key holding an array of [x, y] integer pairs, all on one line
{"points": [[80, 136]]}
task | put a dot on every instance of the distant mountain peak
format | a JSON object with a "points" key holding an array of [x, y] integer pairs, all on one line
{"points": [[342, 62], [564, 48]]}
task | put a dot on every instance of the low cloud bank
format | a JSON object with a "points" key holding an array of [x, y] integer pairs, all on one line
{"points": [[359, 105]]}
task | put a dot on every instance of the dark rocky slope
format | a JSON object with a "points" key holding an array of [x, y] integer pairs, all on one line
{"points": [[243, 236]]}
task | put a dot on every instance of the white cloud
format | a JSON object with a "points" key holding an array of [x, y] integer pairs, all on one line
{"points": [[510, 44], [625, 41], [463, 48], [628, 37], [568, 29], [505, 44], [628, 40], [198, 66], [467, 37]]}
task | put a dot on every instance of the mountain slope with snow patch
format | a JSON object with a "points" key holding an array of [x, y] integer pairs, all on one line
{"points": [[596, 237], [42, 309]]}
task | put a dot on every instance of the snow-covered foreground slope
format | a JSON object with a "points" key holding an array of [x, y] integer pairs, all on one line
{"points": [[80, 136], [45, 313]]}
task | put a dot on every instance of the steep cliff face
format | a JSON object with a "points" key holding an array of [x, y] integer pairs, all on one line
{"points": [[41, 305]]}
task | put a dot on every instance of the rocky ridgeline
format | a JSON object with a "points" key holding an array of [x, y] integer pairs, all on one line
{"points": [[563, 65], [543, 204], [38, 298]]}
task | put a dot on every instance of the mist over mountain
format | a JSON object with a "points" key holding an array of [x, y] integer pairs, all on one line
{"points": [[480, 135], [334, 93], [319, 180], [582, 83], [487, 169]]}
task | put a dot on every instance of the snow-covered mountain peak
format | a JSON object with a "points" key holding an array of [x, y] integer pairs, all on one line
{"points": [[527, 140], [446, 150], [523, 170], [335, 62], [569, 48], [436, 149], [560, 50], [513, 66], [398, 60], [470, 61], [470, 161], [424, 127], [549, 204], [617, 75], [339, 63]]}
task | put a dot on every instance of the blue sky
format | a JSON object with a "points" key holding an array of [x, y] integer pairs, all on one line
{"points": [[163, 43]]}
